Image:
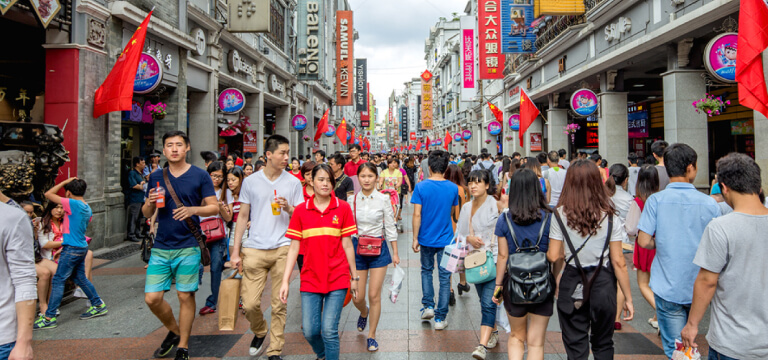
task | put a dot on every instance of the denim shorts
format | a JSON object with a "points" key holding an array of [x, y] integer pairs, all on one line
{"points": [[181, 264], [372, 262]]}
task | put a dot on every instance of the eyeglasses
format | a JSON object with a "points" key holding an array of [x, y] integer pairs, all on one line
{"points": [[217, 177]]}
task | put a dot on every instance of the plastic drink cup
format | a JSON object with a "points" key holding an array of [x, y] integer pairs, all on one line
{"points": [[160, 202], [276, 209]]}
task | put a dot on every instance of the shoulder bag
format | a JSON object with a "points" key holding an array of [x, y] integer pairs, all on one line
{"points": [[582, 291], [479, 265], [205, 255], [530, 280], [214, 229], [368, 245]]}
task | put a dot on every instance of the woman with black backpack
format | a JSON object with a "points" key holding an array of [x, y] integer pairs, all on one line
{"points": [[528, 216], [586, 236]]}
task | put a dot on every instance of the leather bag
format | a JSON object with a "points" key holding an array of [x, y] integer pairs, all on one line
{"points": [[214, 229], [367, 245]]}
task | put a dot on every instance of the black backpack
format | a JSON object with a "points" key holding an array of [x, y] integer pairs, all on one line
{"points": [[529, 278]]}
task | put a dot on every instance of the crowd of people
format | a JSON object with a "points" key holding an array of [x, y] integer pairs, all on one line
{"points": [[532, 234]]}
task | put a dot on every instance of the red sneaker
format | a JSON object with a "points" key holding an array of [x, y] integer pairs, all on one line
{"points": [[207, 310]]}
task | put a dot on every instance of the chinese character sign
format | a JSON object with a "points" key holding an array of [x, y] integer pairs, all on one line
{"points": [[426, 100], [489, 50], [516, 19], [468, 90]]}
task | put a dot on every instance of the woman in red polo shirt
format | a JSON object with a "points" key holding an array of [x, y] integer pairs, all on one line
{"points": [[324, 226]]}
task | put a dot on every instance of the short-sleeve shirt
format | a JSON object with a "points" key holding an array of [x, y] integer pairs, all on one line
{"points": [[634, 171], [135, 196], [191, 187], [77, 216], [663, 177], [734, 246], [590, 254], [343, 187], [677, 217], [526, 235], [269, 230], [391, 178], [325, 263], [228, 200], [350, 168], [437, 199]]}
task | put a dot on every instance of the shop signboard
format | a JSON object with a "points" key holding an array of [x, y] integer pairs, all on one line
{"points": [[559, 7], [361, 88], [494, 128], [584, 102], [344, 57], [742, 127], [299, 122], [332, 131], [489, 36], [426, 100], [638, 124], [516, 36], [311, 39], [720, 57], [248, 16], [457, 137], [46, 10], [231, 101], [466, 135], [250, 142], [149, 73], [514, 122], [468, 83], [404, 124], [536, 141]]}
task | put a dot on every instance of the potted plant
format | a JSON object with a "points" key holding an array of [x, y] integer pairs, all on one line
{"points": [[305, 137], [712, 105], [570, 129], [508, 138], [335, 141], [487, 141], [157, 110]]}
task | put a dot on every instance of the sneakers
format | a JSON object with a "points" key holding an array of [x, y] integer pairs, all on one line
{"points": [[43, 323], [494, 340], [480, 352], [171, 341], [182, 354], [257, 345], [79, 293], [654, 324], [94, 311], [207, 310], [372, 345], [463, 288], [362, 321], [452, 299], [441, 324], [427, 313]]}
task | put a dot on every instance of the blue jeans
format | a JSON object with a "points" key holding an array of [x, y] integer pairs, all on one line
{"points": [[672, 318], [218, 250], [485, 291], [713, 355], [5, 350], [428, 291], [71, 261], [320, 315]]}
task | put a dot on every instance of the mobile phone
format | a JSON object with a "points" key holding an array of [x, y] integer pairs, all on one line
{"points": [[497, 293]]}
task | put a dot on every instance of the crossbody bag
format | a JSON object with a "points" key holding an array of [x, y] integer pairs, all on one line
{"points": [[368, 245], [205, 255]]}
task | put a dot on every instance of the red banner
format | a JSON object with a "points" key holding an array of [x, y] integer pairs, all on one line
{"points": [[489, 25]]}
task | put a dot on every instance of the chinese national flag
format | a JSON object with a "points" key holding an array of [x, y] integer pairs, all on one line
{"points": [[352, 138], [497, 113], [322, 126], [429, 143], [367, 144], [418, 145], [341, 131], [116, 92], [447, 139], [528, 113], [753, 40]]}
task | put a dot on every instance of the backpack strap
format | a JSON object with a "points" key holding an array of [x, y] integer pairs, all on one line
{"points": [[480, 164], [512, 231]]}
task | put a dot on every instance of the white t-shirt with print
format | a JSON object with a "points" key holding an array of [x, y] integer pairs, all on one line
{"points": [[268, 231]]}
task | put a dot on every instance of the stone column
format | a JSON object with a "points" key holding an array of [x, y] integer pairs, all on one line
{"points": [[253, 110], [556, 138], [681, 123], [761, 137], [536, 127], [203, 129], [612, 127]]}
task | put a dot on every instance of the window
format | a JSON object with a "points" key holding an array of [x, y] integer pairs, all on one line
{"points": [[277, 24]]}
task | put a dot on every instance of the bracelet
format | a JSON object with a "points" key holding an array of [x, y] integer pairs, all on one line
{"points": [[499, 285], [356, 279]]}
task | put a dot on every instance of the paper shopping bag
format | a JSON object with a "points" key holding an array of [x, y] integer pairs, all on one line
{"points": [[229, 299]]}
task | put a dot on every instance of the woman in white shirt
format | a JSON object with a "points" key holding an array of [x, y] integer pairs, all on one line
{"points": [[374, 217], [217, 248], [617, 185], [477, 222]]}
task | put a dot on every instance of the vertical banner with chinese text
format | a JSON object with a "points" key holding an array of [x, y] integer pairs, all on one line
{"points": [[469, 85], [426, 100], [489, 35], [516, 19]]}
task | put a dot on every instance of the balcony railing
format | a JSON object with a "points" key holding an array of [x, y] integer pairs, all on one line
{"points": [[591, 4], [555, 27]]}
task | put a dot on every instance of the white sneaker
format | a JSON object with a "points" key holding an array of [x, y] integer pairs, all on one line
{"points": [[480, 352], [494, 340], [654, 324], [441, 325], [427, 313], [79, 293]]}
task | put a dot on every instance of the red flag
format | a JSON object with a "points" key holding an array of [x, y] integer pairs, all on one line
{"points": [[418, 145], [497, 113], [341, 131], [367, 144], [116, 92], [322, 126], [753, 40], [447, 139], [352, 138], [528, 113], [429, 143]]}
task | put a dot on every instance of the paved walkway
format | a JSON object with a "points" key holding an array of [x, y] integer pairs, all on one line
{"points": [[130, 331]]}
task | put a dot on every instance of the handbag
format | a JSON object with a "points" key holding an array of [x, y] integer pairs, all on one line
{"points": [[214, 229], [146, 247], [367, 245], [453, 256], [530, 278], [205, 254], [480, 267]]}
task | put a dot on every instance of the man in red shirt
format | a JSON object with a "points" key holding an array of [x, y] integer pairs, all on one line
{"points": [[350, 168]]}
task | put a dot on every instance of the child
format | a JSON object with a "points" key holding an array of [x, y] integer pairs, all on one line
{"points": [[77, 215]]}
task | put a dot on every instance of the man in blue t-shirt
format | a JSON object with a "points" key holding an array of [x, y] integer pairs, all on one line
{"points": [[77, 216], [135, 198], [434, 199], [176, 253]]}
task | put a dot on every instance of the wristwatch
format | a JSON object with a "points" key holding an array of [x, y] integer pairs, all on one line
{"points": [[356, 279]]}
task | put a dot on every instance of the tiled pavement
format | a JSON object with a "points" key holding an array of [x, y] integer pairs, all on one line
{"points": [[130, 331]]}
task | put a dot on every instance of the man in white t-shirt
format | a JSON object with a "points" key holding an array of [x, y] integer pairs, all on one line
{"points": [[266, 249], [556, 177]]}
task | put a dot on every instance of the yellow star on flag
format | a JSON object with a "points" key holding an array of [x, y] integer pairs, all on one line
{"points": [[133, 42]]}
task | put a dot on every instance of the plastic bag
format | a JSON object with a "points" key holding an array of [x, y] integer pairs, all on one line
{"points": [[397, 282], [685, 353], [502, 320]]}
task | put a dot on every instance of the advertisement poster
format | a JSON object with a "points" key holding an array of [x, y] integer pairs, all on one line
{"points": [[468, 87], [299, 122], [720, 57], [638, 124], [46, 10], [250, 142], [514, 122], [457, 137], [311, 39], [231, 101], [489, 35], [361, 88], [516, 19], [345, 40], [426, 100], [584, 102], [148, 74], [536, 141], [332, 131], [466, 134], [494, 128]]}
